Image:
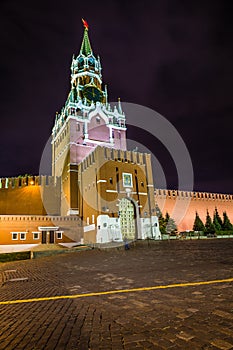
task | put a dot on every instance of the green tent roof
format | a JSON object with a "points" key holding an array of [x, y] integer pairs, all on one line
{"points": [[86, 46]]}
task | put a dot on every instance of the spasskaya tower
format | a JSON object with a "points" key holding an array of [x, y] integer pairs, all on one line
{"points": [[110, 188]]}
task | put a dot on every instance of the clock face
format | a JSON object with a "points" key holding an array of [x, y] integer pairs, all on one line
{"points": [[92, 93]]}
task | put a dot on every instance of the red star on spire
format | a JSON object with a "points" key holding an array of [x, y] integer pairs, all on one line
{"points": [[85, 23]]}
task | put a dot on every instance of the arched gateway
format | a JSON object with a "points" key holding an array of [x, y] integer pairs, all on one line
{"points": [[127, 218]]}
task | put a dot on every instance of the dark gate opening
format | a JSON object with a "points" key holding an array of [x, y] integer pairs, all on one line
{"points": [[51, 237], [44, 236]]}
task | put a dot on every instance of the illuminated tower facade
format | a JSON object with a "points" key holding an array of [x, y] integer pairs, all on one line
{"points": [[89, 154]]}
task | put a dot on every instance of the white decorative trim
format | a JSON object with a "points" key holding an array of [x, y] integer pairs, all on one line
{"points": [[48, 228], [72, 171], [73, 211], [82, 74], [150, 185], [98, 142], [111, 191], [89, 228], [119, 128], [59, 132], [101, 181], [142, 193]]}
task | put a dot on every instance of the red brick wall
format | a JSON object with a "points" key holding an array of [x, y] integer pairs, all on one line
{"points": [[187, 203], [70, 226]]}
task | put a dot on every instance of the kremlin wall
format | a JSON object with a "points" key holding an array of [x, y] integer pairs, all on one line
{"points": [[194, 202], [30, 204], [29, 194], [23, 216], [37, 192]]}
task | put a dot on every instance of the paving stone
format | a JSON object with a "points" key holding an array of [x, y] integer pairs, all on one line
{"points": [[221, 344], [197, 317], [223, 314], [183, 315], [192, 310], [185, 336]]}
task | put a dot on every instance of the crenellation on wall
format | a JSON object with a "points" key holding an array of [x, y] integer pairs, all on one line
{"points": [[19, 182], [193, 195], [38, 217], [129, 156], [134, 157]]}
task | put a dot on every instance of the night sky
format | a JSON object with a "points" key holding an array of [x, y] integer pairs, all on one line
{"points": [[172, 56]]}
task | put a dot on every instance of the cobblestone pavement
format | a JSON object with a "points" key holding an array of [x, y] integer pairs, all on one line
{"points": [[191, 317]]}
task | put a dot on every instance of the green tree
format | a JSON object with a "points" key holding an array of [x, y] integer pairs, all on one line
{"points": [[167, 217], [166, 224], [198, 224], [171, 225], [209, 226], [227, 226], [216, 224], [162, 221], [217, 220]]}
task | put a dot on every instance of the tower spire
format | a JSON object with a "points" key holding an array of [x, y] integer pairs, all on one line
{"points": [[86, 46]]}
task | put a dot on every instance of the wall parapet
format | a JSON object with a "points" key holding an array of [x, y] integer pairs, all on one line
{"points": [[115, 155], [38, 218], [24, 181], [164, 193]]}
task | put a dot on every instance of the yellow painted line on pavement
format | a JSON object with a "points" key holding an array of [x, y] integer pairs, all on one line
{"points": [[117, 291]]}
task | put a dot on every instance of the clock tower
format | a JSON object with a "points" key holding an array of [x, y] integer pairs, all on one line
{"points": [[86, 121], [86, 78], [109, 187]]}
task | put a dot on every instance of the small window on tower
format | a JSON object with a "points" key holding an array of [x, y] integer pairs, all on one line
{"points": [[35, 235], [142, 184], [59, 235], [110, 180], [98, 120], [14, 236], [22, 236]]}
